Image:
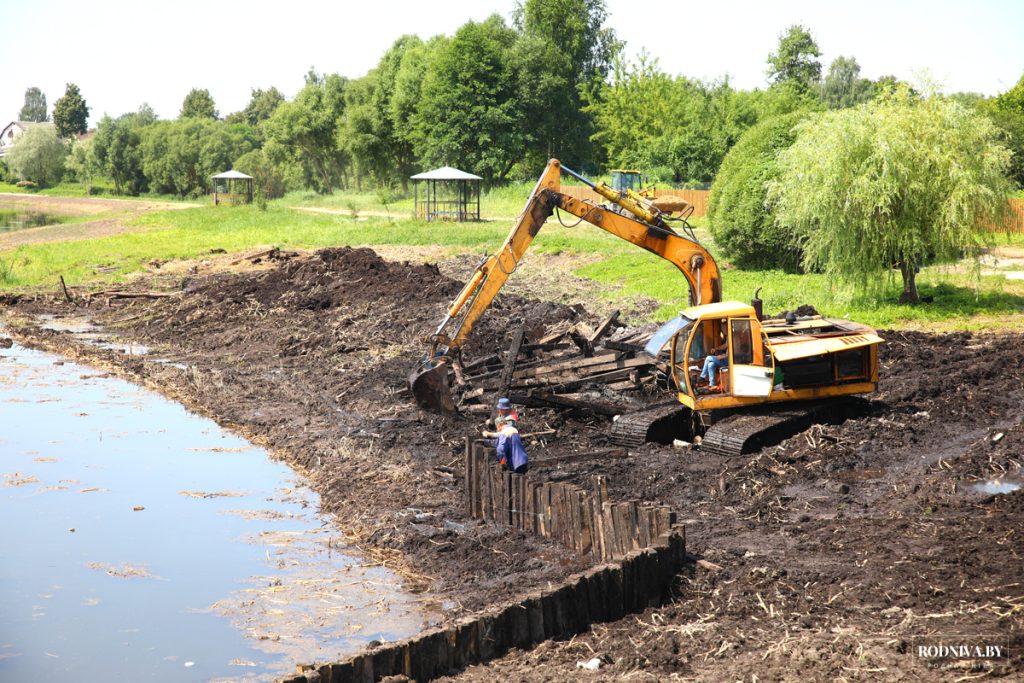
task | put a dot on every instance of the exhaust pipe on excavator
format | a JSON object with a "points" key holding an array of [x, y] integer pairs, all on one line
{"points": [[758, 305]]}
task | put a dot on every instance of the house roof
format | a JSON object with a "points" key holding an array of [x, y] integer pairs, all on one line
{"points": [[232, 175], [445, 173]]}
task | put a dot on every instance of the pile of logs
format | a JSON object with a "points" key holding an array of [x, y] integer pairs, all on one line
{"points": [[555, 370]]}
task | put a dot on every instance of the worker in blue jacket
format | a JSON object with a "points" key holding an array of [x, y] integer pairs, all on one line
{"points": [[508, 445]]}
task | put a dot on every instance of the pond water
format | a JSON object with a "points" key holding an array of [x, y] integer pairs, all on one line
{"points": [[141, 542], [18, 219]]}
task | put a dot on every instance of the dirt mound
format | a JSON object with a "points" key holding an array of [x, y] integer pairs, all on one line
{"points": [[332, 278]]}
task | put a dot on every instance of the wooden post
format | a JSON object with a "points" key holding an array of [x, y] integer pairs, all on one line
{"points": [[506, 480], [608, 521], [634, 530]]}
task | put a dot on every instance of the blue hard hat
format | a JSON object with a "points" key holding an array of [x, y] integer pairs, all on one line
{"points": [[504, 404]]}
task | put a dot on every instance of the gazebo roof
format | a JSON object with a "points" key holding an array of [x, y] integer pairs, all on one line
{"points": [[232, 175], [445, 173]]}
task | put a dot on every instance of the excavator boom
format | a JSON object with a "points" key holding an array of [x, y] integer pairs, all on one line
{"points": [[643, 226]]}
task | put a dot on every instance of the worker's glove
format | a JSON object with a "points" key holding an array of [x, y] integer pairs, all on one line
{"points": [[486, 434]]}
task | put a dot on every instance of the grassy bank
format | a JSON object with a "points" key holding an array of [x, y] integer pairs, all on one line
{"points": [[622, 274]]}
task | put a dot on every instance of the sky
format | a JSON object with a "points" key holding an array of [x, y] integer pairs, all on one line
{"points": [[122, 54]]}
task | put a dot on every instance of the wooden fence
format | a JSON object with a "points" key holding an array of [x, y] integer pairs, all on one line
{"points": [[648, 548], [1013, 221], [585, 521]]}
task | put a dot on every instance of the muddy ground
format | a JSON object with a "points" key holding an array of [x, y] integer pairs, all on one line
{"points": [[834, 555]]}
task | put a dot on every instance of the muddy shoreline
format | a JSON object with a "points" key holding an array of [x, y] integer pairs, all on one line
{"points": [[831, 555]]}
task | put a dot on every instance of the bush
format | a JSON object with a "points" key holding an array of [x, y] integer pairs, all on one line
{"points": [[27, 184], [38, 155], [739, 217]]}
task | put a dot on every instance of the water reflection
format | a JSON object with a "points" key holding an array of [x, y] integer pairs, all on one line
{"points": [[142, 542]]}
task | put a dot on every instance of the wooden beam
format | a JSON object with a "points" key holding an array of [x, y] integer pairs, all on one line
{"points": [[603, 328], [510, 361]]}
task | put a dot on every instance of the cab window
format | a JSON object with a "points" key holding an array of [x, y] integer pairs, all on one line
{"points": [[742, 343]]}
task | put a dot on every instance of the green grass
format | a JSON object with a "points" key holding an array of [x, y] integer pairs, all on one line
{"points": [[622, 274], [103, 187], [960, 300]]}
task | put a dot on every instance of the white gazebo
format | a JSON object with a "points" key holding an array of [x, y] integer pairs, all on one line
{"points": [[451, 195], [232, 187]]}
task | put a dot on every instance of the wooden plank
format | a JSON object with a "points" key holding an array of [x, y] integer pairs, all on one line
{"points": [[510, 361], [586, 537], [480, 362], [623, 346], [632, 518], [572, 364], [603, 328], [565, 385], [644, 526], [612, 362], [597, 505], [608, 521]]}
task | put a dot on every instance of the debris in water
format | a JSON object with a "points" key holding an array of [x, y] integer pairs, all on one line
{"points": [[138, 508], [212, 494], [125, 571]]}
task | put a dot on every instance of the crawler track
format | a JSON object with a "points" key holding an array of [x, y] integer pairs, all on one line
{"points": [[750, 430]]}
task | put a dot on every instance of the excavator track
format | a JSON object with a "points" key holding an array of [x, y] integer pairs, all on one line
{"points": [[750, 430], [660, 423]]}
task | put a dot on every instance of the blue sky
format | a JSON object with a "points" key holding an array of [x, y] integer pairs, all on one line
{"points": [[124, 53]]}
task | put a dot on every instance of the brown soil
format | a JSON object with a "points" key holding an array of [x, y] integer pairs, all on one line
{"points": [[831, 556], [77, 206]]}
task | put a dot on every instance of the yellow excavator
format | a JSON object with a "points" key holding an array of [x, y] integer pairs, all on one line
{"points": [[777, 375]]}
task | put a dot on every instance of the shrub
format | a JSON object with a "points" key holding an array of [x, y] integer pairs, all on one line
{"points": [[739, 216], [27, 184]]}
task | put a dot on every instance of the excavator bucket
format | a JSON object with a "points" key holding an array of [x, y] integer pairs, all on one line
{"points": [[429, 384]]}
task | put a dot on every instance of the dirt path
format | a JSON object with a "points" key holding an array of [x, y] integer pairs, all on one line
{"points": [[113, 217], [835, 555], [396, 214]]}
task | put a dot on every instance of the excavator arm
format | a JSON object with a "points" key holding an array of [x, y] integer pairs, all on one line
{"points": [[646, 228]]}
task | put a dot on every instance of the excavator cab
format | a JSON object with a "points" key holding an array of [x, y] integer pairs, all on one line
{"points": [[623, 180], [690, 338]]}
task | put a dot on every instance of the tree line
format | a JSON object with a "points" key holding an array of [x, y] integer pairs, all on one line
{"points": [[496, 98]]}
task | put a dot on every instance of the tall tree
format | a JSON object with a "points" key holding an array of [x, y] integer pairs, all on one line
{"points": [[81, 162], [795, 62], [262, 104], [199, 104], [1007, 111], [469, 114], [843, 87], [38, 155], [894, 182], [116, 147], [564, 47], [304, 132], [181, 156], [70, 113], [34, 108]]}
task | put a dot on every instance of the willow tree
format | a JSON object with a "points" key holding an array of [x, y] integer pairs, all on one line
{"points": [[889, 184]]}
